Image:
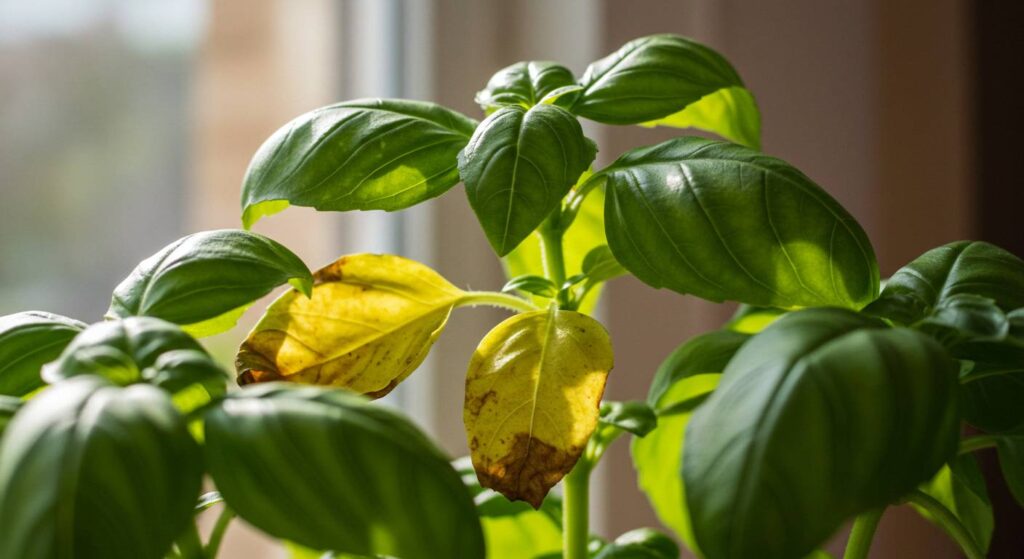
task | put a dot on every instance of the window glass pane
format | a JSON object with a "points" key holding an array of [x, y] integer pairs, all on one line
{"points": [[93, 144]]}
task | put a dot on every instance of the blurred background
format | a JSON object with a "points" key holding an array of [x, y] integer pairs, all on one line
{"points": [[125, 124]]}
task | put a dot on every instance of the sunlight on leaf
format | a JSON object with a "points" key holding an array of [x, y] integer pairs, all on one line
{"points": [[730, 112], [533, 392], [370, 322]]}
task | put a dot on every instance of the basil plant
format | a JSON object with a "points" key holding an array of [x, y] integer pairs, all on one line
{"points": [[825, 398]]}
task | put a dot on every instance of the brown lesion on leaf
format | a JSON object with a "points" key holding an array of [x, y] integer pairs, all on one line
{"points": [[253, 367], [529, 471], [476, 404], [332, 272]]}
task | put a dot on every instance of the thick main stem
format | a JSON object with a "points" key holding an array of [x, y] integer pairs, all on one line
{"points": [[575, 512], [554, 258], [863, 534], [948, 522]]}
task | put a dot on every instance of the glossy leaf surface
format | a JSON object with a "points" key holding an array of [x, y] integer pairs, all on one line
{"points": [[533, 393], [328, 470], [513, 529], [28, 340], [88, 469], [518, 166], [369, 323], [730, 112], [524, 84], [653, 80], [367, 154], [633, 417], [119, 350], [201, 277], [970, 268], [642, 543], [811, 379], [533, 285], [960, 487], [724, 222]]}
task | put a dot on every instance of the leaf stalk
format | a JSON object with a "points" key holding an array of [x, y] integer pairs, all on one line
{"points": [[948, 522], [863, 533]]}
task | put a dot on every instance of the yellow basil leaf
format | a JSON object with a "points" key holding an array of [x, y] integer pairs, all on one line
{"points": [[369, 323], [533, 391]]}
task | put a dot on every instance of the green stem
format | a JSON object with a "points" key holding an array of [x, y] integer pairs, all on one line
{"points": [[495, 299], [863, 534], [551, 246], [217, 535], [948, 522], [575, 512], [190, 546], [979, 442]]}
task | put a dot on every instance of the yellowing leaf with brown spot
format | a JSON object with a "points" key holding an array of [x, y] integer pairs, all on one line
{"points": [[369, 323], [533, 391]]}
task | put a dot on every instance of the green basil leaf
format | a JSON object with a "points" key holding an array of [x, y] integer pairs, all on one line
{"points": [[328, 470], [600, 265], [960, 486], [992, 384], [202, 277], [9, 405], [1011, 461], [642, 543], [518, 166], [964, 267], [534, 285], [812, 378], [143, 349], [119, 350], [513, 529], [208, 500], [730, 112], [90, 469], [190, 376], [524, 84], [964, 317], [668, 80], [635, 417], [368, 154], [749, 319], [724, 222], [584, 234], [28, 340], [707, 353], [561, 96], [683, 381]]}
